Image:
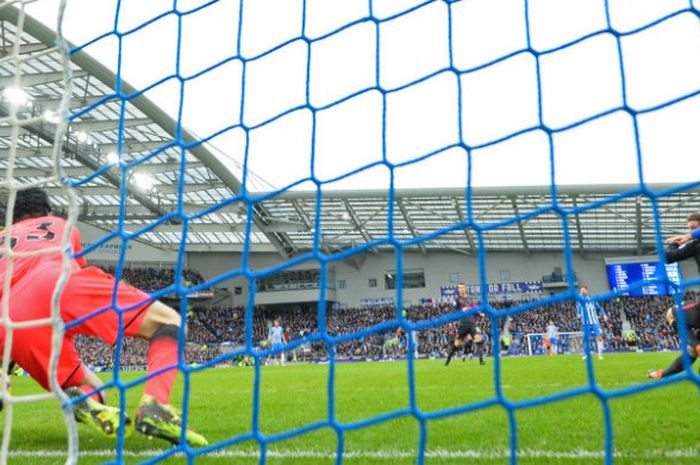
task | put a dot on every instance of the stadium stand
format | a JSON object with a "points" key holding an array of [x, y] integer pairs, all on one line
{"points": [[215, 327]]}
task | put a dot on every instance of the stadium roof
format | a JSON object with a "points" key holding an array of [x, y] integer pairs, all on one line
{"points": [[151, 175]]}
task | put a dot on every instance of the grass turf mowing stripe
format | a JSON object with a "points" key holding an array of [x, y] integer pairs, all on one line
{"points": [[387, 454]]}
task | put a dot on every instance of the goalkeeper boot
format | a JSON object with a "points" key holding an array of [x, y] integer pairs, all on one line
{"points": [[655, 374], [98, 416], [163, 421]]}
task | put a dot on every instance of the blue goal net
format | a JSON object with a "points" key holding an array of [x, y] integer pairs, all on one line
{"points": [[316, 95]]}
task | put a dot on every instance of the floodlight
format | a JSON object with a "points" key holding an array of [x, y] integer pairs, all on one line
{"points": [[144, 181], [16, 96]]}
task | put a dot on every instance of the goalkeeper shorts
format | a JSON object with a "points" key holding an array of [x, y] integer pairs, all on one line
{"points": [[89, 293]]}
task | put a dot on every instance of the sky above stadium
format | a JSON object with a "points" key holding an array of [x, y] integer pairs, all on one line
{"points": [[483, 106]]}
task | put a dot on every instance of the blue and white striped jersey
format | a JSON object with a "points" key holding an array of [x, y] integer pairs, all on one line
{"points": [[276, 334], [588, 311]]}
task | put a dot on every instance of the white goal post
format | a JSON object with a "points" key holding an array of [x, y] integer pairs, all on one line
{"points": [[567, 343]]}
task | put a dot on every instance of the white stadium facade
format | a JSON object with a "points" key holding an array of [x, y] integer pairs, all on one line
{"points": [[283, 225]]}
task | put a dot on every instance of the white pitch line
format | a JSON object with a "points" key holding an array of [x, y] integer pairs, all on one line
{"points": [[382, 455]]}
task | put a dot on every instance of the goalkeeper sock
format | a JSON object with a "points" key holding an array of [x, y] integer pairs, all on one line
{"points": [[676, 367], [600, 349], [162, 353]]}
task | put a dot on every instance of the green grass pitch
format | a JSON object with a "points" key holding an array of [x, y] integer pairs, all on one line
{"points": [[660, 426]]}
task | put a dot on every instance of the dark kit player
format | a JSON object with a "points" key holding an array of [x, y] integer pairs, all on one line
{"points": [[681, 248], [692, 322], [466, 330], [33, 280]]}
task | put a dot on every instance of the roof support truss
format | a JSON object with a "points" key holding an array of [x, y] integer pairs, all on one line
{"points": [[409, 222], [358, 225], [639, 223], [467, 232], [579, 231], [521, 227]]}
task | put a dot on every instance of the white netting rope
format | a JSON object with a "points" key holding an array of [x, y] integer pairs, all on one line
{"points": [[10, 183]]}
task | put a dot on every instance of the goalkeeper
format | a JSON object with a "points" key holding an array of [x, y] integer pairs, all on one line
{"points": [[692, 322], [91, 292], [680, 248], [687, 245]]}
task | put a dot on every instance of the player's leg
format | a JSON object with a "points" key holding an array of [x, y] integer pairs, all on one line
{"points": [[279, 356], [32, 350], [91, 289], [161, 328], [90, 385], [589, 334], [155, 416], [480, 353], [91, 409], [454, 347], [468, 349], [414, 339], [465, 334], [600, 342]]}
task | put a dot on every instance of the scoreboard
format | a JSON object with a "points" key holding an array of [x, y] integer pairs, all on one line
{"points": [[623, 275]]}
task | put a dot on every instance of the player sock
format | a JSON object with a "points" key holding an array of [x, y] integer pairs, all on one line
{"points": [[162, 353], [676, 366], [600, 349], [450, 354], [467, 347]]}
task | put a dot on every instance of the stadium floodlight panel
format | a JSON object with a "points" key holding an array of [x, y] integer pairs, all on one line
{"points": [[112, 158], [51, 116], [16, 96], [82, 136]]}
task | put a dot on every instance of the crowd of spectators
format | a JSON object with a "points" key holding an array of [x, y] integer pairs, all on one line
{"points": [[210, 329], [154, 279]]}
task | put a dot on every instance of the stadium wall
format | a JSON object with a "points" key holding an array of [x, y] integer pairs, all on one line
{"points": [[109, 252], [352, 285]]}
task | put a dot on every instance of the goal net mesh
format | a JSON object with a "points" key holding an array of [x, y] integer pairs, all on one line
{"points": [[474, 91]]}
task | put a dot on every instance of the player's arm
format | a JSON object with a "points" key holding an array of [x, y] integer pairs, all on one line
{"points": [[683, 238], [676, 253], [601, 311]]}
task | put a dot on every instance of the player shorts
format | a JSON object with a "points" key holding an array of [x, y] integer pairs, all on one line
{"points": [[466, 327], [88, 291], [553, 341], [594, 330], [277, 345]]}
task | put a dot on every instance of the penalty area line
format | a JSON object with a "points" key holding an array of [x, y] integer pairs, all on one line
{"points": [[386, 454]]}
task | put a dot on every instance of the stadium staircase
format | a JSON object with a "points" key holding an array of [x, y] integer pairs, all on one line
{"points": [[206, 324], [626, 325], [222, 296]]}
